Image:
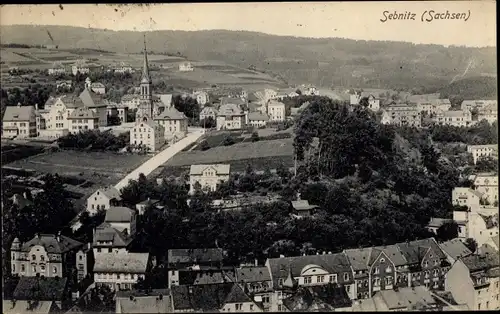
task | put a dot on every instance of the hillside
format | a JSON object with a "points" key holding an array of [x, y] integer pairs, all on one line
{"points": [[482, 87], [378, 64]]}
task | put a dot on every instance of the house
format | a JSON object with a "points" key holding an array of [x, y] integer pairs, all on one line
{"points": [[32, 289], [202, 97], [192, 259], [120, 271], [121, 218], [457, 118], [402, 115], [123, 68], [103, 198], [493, 242], [433, 106], [48, 255], [80, 68], [488, 113], [96, 103], [207, 176], [208, 112], [82, 119], [276, 111], [161, 102], [174, 122], [327, 298], [189, 277], [487, 184], [435, 223], [136, 301], [19, 121], [303, 208], [149, 134], [287, 93], [474, 280], [141, 207], [461, 196], [131, 101], [186, 67], [67, 84], [309, 90], [122, 113], [482, 151], [257, 281], [477, 104], [257, 119], [230, 114], [482, 227], [373, 102], [57, 69], [98, 88], [288, 273], [454, 250], [226, 297], [404, 299], [107, 239], [35, 307], [269, 94]]}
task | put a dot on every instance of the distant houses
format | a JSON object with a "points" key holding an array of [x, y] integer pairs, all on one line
{"points": [[402, 115], [207, 177], [186, 67]]}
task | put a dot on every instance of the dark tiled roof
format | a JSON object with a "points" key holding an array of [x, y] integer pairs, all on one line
{"points": [[237, 295], [480, 262], [171, 114], [414, 251], [253, 274], [21, 113], [119, 214], [51, 244], [205, 277], [104, 232], [91, 99], [455, 248], [318, 298], [191, 256], [202, 298], [72, 101], [40, 288], [83, 113]]}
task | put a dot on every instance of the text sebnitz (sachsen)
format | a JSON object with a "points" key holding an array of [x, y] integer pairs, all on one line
{"points": [[426, 16]]}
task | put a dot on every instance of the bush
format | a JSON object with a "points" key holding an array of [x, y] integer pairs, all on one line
{"points": [[204, 146], [95, 140], [228, 141], [255, 137]]}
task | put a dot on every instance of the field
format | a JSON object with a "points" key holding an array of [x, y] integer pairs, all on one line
{"points": [[94, 168]]}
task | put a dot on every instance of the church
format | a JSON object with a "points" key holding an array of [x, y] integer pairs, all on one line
{"points": [[146, 131]]}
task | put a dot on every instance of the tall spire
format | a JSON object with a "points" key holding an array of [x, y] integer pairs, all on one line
{"points": [[145, 71]]}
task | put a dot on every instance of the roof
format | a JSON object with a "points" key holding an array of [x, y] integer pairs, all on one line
{"points": [[149, 202], [119, 214], [333, 263], [453, 113], [232, 100], [323, 298], [478, 262], [438, 222], [205, 277], [71, 101], [166, 99], [237, 295], [97, 85], [111, 192], [91, 99], [191, 256], [135, 263], [171, 114], [273, 102], [253, 274], [415, 298], [414, 251], [15, 307], [221, 169], [490, 221], [359, 258], [393, 253], [496, 240], [202, 297], [230, 110], [18, 113], [208, 110], [369, 305], [302, 205], [106, 233], [257, 116], [51, 244], [156, 301], [83, 113], [41, 288], [455, 248]]}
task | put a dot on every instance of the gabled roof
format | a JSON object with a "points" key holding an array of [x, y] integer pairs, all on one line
{"points": [[134, 263], [35, 307], [155, 301], [205, 276], [50, 102], [105, 233], [111, 192], [71, 101], [165, 99], [192, 256], [257, 116], [359, 258], [91, 99], [411, 298], [119, 214], [455, 248], [302, 205], [201, 297], [18, 113], [221, 169], [237, 295], [40, 288], [414, 251], [208, 110], [393, 253], [51, 244], [479, 262], [253, 274], [230, 109], [83, 113], [171, 114]]}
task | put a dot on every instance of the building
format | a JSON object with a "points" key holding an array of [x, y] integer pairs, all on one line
{"points": [[474, 281], [435, 223], [225, 297], [121, 218], [202, 97], [131, 101], [454, 250], [257, 119], [466, 197], [67, 84], [208, 112], [19, 122], [192, 259], [97, 88], [82, 119], [107, 239], [43, 289], [481, 227], [257, 281], [174, 123], [309, 90], [186, 67], [136, 301], [402, 115], [457, 118], [120, 271], [373, 102], [287, 93], [433, 106], [207, 177], [57, 69], [39, 307], [122, 113], [123, 68], [493, 242], [95, 103], [103, 198], [404, 299], [303, 208], [488, 113], [482, 151], [80, 68], [141, 207], [477, 104], [231, 117], [48, 255], [325, 298], [487, 184], [276, 111]]}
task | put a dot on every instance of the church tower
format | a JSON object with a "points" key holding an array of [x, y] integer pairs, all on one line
{"points": [[146, 101]]}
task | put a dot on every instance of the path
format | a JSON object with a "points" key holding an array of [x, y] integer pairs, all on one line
{"points": [[161, 158]]}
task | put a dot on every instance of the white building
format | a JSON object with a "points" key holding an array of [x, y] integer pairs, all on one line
{"points": [[488, 113], [208, 176], [458, 118], [402, 115], [82, 69], [173, 122], [482, 151], [373, 102], [276, 111], [186, 67], [477, 104], [487, 184], [466, 197], [103, 198], [208, 112], [57, 69], [98, 88], [120, 271], [131, 101], [122, 218], [231, 117], [257, 119], [202, 97], [287, 93], [19, 121]]}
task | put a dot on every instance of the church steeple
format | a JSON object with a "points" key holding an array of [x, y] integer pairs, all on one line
{"points": [[146, 104], [145, 71]]}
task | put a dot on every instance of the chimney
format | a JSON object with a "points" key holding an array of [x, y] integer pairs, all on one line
{"points": [[58, 236], [18, 105], [38, 236], [25, 195], [324, 252], [190, 290], [282, 256], [256, 262], [36, 106]]}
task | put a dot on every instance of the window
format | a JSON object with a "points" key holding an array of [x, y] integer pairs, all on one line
{"points": [[333, 278], [22, 268], [388, 269], [382, 260], [307, 280], [54, 269], [239, 306], [388, 280], [346, 276], [13, 268], [479, 306], [34, 269], [98, 250], [118, 276], [33, 257], [80, 257], [280, 282], [42, 267], [376, 270], [321, 278], [436, 272], [426, 264], [110, 250], [42, 258], [251, 307], [280, 308], [487, 304]]}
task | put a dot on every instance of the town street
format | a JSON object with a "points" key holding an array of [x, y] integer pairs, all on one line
{"points": [[151, 164]]}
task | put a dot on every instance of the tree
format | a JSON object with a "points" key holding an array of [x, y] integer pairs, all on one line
{"points": [[255, 137], [471, 244], [208, 123], [228, 141], [204, 146], [113, 120], [187, 105], [447, 231]]}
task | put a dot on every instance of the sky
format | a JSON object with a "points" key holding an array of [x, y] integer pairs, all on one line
{"points": [[361, 20]]}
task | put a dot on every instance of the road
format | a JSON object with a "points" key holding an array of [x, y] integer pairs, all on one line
{"points": [[159, 159]]}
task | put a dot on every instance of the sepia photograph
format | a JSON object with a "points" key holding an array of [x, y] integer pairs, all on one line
{"points": [[249, 157]]}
